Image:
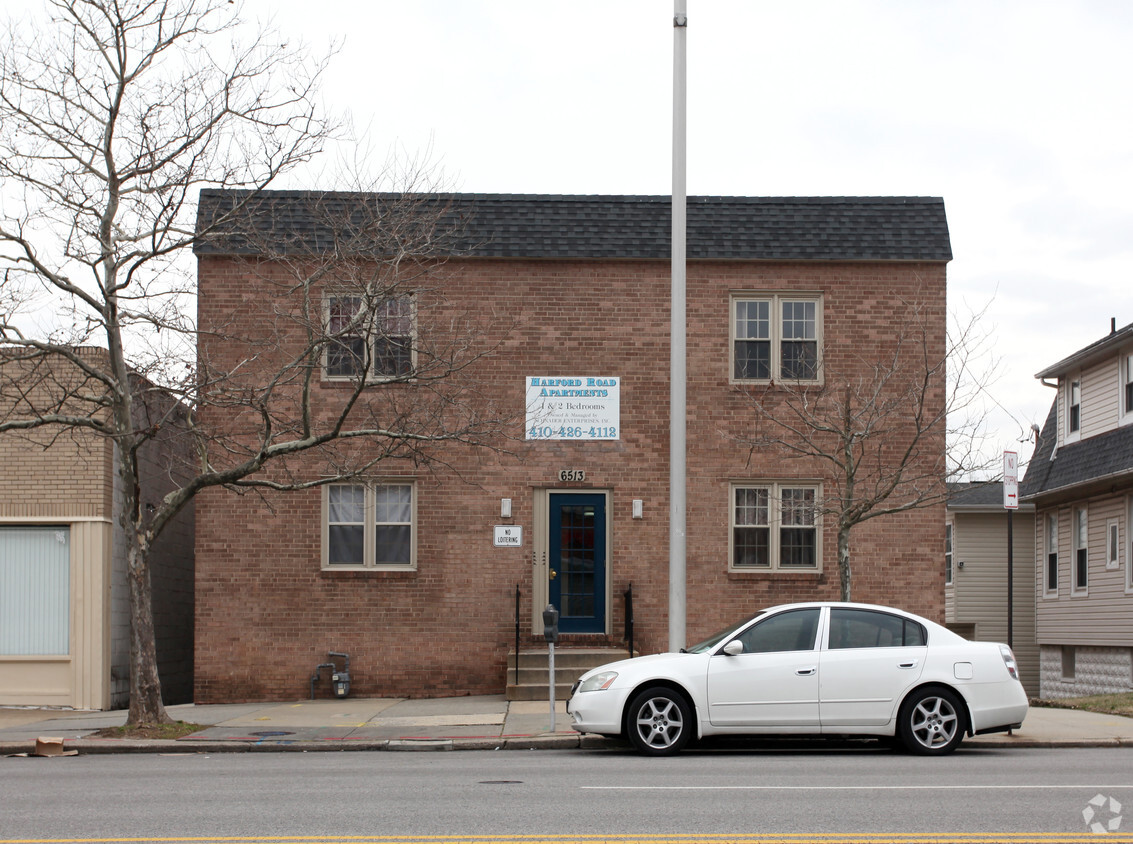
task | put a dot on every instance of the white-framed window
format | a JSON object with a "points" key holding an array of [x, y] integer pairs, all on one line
{"points": [[775, 527], [1081, 579], [369, 526], [376, 342], [1129, 545], [1127, 386], [1051, 573], [1074, 409], [1112, 546], [776, 337], [948, 553]]}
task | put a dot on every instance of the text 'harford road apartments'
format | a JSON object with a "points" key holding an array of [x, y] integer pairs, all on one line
{"points": [[519, 347]]}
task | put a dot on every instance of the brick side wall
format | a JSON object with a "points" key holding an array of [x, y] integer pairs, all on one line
{"points": [[266, 614]]}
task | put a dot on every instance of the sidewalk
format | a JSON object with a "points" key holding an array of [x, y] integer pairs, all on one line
{"points": [[488, 722]]}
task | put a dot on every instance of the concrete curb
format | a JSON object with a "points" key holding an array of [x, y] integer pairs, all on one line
{"points": [[535, 742]]}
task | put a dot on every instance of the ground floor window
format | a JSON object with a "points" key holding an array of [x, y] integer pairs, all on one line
{"points": [[369, 526], [775, 527], [35, 591]]}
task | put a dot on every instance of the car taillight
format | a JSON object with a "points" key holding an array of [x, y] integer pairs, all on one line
{"points": [[1009, 661]]}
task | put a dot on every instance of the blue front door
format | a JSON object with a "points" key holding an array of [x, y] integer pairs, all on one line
{"points": [[578, 561]]}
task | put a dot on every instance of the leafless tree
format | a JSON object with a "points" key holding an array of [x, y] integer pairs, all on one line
{"points": [[889, 427], [113, 117]]}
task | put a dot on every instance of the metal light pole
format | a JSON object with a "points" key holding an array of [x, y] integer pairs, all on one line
{"points": [[677, 344]]}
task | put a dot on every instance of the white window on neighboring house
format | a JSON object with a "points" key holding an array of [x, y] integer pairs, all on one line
{"points": [[776, 337], [35, 590], [1074, 409], [369, 526], [1127, 386], [775, 526], [1051, 576], [1112, 548], [1081, 549], [377, 342], [948, 553]]}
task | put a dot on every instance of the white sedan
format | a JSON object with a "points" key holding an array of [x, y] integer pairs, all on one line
{"points": [[835, 669]]}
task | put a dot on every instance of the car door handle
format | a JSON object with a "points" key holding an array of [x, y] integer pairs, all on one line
{"points": [[912, 663], [805, 672]]}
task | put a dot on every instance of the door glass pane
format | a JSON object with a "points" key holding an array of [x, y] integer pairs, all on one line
{"points": [[576, 560], [789, 631]]}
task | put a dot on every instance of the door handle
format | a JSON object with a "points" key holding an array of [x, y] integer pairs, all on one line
{"points": [[805, 672], [553, 574], [912, 663]]}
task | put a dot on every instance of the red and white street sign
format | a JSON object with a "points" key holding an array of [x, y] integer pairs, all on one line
{"points": [[1010, 480]]}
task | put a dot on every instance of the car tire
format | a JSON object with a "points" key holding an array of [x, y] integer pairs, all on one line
{"points": [[931, 722], [659, 721]]}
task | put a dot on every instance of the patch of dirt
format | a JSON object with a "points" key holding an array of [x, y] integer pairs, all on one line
{"points": [[176, 730]]}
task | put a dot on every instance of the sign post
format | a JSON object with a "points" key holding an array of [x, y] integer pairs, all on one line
{"points": [[1011, 504]]}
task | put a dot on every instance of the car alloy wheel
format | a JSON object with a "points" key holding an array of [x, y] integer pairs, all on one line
{"points": [[931, 722], [660, 722]]}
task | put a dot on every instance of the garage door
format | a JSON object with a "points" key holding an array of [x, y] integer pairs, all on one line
{"points": [[35, 590]]}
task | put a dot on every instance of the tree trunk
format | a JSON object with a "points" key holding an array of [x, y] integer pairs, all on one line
{"points": [[844, 560], [146, 706]]}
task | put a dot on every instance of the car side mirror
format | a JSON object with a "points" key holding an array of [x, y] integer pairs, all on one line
{"points": [[733, 648]]}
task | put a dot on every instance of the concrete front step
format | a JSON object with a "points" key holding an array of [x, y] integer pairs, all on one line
{"points": [[570, 664]]}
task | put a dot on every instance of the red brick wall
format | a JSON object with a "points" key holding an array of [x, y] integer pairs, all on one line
{"points": [[267, 615]]}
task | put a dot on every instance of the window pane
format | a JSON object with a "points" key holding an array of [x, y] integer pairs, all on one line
{"points": [[393, 544], [392, 356], [867, 629], [752, 506], [752, 547], [753, 320], [753, 359], [345, 545], [797, 548], [798, 507], [393, 504], [346, 357], [800, 360], [342, 309], [799, 321], [789, 631], [347, 503]]}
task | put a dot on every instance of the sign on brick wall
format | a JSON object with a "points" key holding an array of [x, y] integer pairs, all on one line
{"points": [[573, 408]]}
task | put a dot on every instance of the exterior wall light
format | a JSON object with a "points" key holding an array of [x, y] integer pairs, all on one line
{"points": [[505, 508]]}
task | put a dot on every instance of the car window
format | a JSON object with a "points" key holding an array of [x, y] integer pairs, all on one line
{"points": [[715, 639], [870, 629], [793, 630]]}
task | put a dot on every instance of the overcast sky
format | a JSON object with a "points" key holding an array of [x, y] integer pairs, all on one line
{"points": [[1018, 114]]}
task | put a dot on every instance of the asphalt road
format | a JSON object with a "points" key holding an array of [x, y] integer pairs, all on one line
{"points": [[716, 795]]}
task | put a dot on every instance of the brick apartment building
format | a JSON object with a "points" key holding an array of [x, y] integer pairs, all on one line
{"points": [[414, 570]]}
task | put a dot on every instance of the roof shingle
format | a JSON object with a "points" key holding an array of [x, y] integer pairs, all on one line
{"points": [[598, 227]]}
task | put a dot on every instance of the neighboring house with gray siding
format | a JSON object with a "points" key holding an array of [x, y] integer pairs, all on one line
{"points": [[1080, 481], [975, 573]]}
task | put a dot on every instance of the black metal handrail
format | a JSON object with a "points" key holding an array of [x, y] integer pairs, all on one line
{"points": [[628, 595], [517, 634]]}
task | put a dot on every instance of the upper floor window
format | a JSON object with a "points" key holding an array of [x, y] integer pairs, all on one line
{"points": [[368, 526], [776, 338], [1074, 407], [775, 526], [1112, 546], [377, 342], [1127, 383]]}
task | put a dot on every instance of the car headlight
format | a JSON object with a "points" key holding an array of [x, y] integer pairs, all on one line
{"points": [[599, 681]]}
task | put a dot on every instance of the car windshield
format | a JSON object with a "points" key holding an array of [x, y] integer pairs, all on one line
{"points": [[715, 639]]}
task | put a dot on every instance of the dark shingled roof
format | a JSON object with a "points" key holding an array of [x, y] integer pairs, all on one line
{"points": [[602, 227], [1079, 468]]}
